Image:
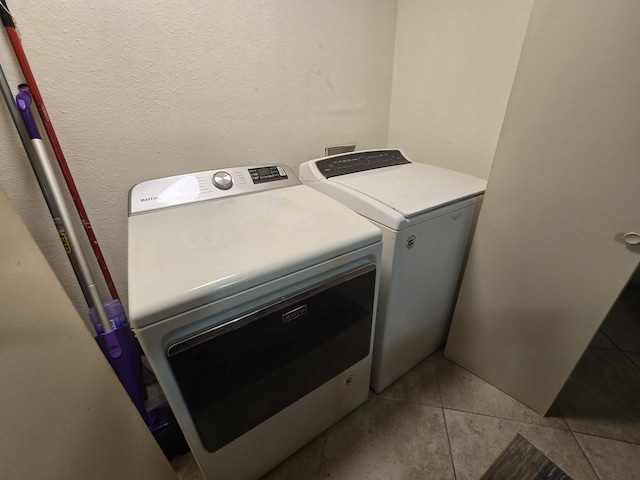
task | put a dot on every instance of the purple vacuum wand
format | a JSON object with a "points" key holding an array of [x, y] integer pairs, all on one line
{"points": [[24, 100], [114, 337]]}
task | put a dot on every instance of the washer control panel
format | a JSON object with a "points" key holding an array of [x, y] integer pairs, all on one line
{"points": [[208, 185], [359, 161]]}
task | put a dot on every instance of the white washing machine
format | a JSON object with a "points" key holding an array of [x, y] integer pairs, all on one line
{"points": [[253, 297], [427, 215]]}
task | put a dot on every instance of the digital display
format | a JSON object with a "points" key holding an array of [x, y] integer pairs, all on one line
{"points": [[267, 174]]}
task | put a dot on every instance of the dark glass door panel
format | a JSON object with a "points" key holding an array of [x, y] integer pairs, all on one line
{"points": [[237, 375]]}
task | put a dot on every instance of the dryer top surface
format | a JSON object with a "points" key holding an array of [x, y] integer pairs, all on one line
{"points": [[183, 257]]}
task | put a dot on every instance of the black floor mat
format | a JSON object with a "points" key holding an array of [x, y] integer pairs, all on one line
{"points": [[522, 461]]}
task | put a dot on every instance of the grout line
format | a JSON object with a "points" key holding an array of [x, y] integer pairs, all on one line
{"points": [[584, 454], [563, 417], [446, 426], [446, 430], [608, 337], [606, 438], [321, 462], [568, 429], [413, 402], [409, 402], [626, 353]]}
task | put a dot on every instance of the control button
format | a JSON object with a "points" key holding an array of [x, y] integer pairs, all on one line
{"points": [[222, 180]]}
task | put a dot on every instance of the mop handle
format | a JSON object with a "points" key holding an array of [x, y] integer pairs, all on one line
{"points": [[28, 148], [68, 235], [7, 21]]}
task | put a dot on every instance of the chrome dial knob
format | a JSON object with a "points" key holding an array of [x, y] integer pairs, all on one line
{"points": [[222, 180]]}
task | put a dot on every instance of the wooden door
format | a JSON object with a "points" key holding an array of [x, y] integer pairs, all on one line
{"points": [[548, 258]]}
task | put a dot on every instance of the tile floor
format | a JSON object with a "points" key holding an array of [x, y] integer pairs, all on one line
{"points": [[441, 422]]}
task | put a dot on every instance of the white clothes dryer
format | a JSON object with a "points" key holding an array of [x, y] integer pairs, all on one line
{"points": [[427, 215], [253, 297]]}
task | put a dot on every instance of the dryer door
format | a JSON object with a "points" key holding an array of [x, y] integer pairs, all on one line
{"points": [[240, 373]]}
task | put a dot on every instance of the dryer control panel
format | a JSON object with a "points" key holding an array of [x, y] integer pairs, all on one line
{"points": [[267, 174], [359, 161], [208, 185]]}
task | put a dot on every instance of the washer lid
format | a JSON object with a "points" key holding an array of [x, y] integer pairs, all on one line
{"points": [[187, 256], [412, 188]]}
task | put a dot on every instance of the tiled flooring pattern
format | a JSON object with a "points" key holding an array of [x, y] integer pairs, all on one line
{"points": [[441, 422]]}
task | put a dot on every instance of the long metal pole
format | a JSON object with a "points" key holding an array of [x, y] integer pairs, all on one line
{"points": [[46, 177], [33, 160], [8, 22], [73, 244]]}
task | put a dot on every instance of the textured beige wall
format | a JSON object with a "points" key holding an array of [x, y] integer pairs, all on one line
{"points": [[64, 413], [144, 89], [139, 90], [453, 69]]}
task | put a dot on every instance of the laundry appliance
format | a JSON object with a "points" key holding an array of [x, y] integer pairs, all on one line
{"points": [[253, 297], [427, 215]]}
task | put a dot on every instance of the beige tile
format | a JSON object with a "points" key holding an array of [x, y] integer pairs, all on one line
{"points": [[622, 324], [181, 463], [477, 440], [186, 467], [155, 396], [624, 331], [461, 390], [305, 463], [611, 458], [602, 396], [419, 385], [193, 472], [635, 358], [386, 439], [600, 340]]}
